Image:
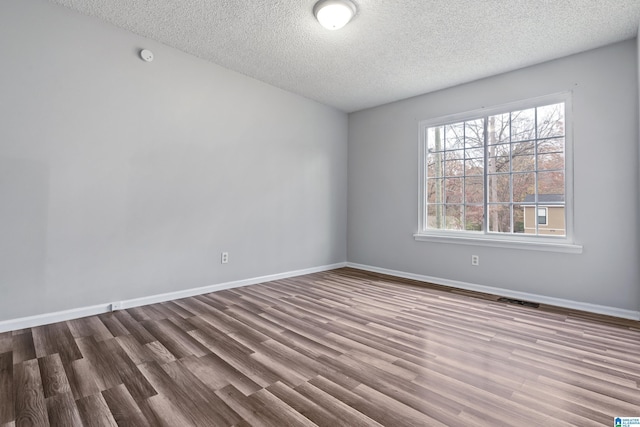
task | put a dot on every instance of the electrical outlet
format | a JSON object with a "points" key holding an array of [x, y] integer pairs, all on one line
{"points": [[116, 306], [475, 260], [224, 258]]}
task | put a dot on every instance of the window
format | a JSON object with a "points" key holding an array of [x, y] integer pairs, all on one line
{"points": [[482, 172], [542, 216]]}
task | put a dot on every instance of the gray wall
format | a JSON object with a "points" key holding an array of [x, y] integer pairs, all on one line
{"points": [[123, 179], [383, 179]]}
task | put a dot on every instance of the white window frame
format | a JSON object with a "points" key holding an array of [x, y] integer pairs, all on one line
{"points": [[515, 241]]}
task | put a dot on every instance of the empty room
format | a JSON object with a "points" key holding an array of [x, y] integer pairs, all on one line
{"points": [[332, 213]]}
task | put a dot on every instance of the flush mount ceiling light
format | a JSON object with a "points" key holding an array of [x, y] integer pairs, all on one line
{"points": [[334, 14]]}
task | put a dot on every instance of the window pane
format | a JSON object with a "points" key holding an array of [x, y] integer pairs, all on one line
{"points": [[435, 191], [498, 129], [523, 148], [518, 219], [474, 133], [435, 165], [474, 216], [529, 219], [499, 156], [453, 190], [435, 216], [435, 139], [524, 184], [474, 190], [454, 155], [474, 153], [499, 150], [551, 161], [454, 136], [523, 125], [550, 183], [454, 217], [499, 164], [454, 168], [474, 167], [554, 145], [499, 218], [523, 163], [499, 189], [551, 120]]}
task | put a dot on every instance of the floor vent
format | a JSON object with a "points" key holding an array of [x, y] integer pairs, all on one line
{"points": [[519, 302]]}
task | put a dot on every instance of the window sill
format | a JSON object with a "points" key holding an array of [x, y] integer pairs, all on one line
{"points": [[481, 240]]}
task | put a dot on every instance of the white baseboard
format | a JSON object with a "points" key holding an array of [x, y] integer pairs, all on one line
{"points": [[576, 305], [76, 313]]}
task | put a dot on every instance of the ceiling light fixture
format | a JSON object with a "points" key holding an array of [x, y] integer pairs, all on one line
{"points": [[334, 14]]}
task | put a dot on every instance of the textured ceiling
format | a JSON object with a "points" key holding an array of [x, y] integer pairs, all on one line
{"points": [[390, 51]]}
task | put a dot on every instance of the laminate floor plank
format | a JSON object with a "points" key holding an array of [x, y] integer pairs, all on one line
{"points": [[54, 378], [115, 327], [130, 376], [177, 310], [278, 410], [6, 388], [201, 394], [29, 403], [103, 369], [249, 367], [479, 404], [123, 407], [161, 411], [212, 304], [346, 415], [62, 410], [186, 405], [543, 399], [159, 353], [56, 338], [6, 342], [216, 374], [383, 408], [335, 348], [95, 412], [254, 320], [314, 412], [137, 353], [161, 312], [178, 342], [140, 314], [134, 327], [81, 378], [197, 306], [23, 347], [89, 326], [212, 338]]}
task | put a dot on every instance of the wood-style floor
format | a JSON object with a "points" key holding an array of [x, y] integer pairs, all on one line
{"points": [[340, 348]]}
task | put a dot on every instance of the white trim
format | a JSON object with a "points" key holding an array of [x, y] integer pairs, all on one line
{"points": [[558, 302], [483, 240], [76, 313]]}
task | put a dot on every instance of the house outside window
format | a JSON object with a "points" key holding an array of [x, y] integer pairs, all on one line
{"points": [[487, 173], [550, 217]]}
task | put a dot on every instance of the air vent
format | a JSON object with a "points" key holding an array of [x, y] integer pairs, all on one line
{"points": [[519, 302]]}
